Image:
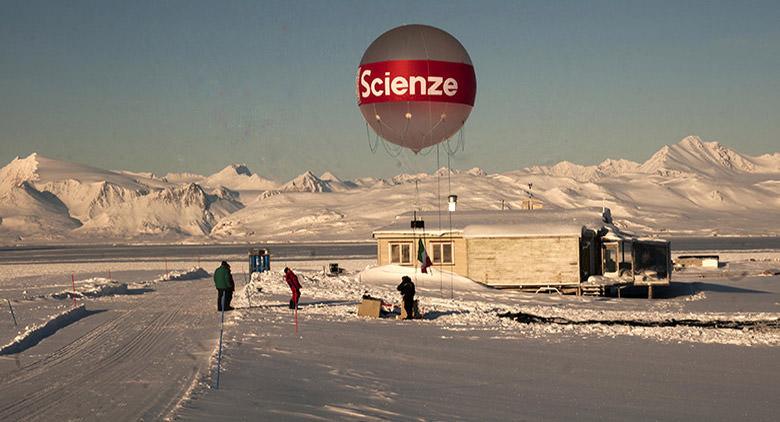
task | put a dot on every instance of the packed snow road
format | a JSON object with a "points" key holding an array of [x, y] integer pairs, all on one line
{"points": [[291, 252], [133, 357], [93, 253]]}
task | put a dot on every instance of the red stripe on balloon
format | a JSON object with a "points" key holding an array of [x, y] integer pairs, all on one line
{"points": [[416, 80]]}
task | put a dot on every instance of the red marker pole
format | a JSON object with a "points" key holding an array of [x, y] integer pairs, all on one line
{"points": [[73, 281]]}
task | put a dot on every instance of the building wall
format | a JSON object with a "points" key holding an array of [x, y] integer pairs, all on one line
{"points": [[524, 261], [460, 254]]}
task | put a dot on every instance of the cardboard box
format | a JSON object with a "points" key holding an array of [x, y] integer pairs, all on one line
{"points": [[370, 308]]}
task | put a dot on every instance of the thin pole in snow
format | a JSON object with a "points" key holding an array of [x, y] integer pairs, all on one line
{"points": [[221, 330], [452, 241], [109, 274], [73, 281], [166, 266], [13, 315]]}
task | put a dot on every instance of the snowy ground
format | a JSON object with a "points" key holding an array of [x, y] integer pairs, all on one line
{"points": [[386, 370], [132, 357], [150, 354], [464, 361]]}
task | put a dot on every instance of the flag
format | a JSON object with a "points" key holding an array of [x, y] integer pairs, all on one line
{"points": [[422, 256]]}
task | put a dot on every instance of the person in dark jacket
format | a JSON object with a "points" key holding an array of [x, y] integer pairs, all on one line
{"points": [[407, 292], [223, 280], [295, 287]]}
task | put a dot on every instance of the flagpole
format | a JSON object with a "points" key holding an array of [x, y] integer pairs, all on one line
{"points": [[414, 241]]}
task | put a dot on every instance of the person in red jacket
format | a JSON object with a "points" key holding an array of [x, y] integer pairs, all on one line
{"points": [[295, 287]]}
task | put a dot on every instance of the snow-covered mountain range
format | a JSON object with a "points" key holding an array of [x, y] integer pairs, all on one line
{"points": [[692, 187]]}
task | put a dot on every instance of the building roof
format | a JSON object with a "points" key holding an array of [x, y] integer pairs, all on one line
{"points": [[509, 223]]}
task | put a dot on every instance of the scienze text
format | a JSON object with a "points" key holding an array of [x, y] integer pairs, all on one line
{"points": [[416, 80], [400, 85]]}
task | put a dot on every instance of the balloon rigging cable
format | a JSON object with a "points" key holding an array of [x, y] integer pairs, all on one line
{"points": [[395, 150]]}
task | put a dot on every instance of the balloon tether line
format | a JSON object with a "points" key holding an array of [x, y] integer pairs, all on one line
{"points": [[376, 140], [449, 214], [438, 205]]}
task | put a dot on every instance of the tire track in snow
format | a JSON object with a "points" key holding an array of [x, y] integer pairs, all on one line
{"points": [[67, 352], [134, 365], [38, 402], [118, 365]]}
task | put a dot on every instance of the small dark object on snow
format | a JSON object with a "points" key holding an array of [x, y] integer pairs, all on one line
{"points": [[334, 269]]}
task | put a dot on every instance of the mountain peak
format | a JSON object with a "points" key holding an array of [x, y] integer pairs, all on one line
{"points": [[693, 156], [20, 170], [692, 141], [237, 176], [476, 171], [235, 169], [444, 171], [329, 177], [306, 182], [241, 169]]}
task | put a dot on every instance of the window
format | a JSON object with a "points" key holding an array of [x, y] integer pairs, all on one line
{"points": [[400, 253], [652, 259], [610, 258], [441, 252]]}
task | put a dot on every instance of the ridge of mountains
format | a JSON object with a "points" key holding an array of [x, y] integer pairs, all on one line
{"points": [[691, 187]]}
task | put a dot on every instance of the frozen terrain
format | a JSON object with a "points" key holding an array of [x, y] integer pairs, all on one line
{"points": [[148, 352], [466, 360], [689, 188]]}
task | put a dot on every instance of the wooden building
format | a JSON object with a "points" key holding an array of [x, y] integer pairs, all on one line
{"points": [[528, 249]]}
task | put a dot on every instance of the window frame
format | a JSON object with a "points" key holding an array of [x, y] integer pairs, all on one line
{"points": [[605, 253], [401, 257], [439, 245]]}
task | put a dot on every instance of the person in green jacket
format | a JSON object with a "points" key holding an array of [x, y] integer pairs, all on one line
{"points": [[223, 280]]}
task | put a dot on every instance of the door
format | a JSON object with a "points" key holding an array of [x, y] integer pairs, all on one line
{"points": [[609, 262]]}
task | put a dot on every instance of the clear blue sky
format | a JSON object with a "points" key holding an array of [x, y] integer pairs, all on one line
{"points": [[190, 85]]}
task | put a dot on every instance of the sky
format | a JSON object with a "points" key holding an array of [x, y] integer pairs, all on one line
{"points": [[170, 86]]}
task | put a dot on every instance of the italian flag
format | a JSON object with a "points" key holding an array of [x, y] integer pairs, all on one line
{"points": [[422, 256]]}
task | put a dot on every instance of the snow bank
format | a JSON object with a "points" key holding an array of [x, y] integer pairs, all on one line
{"points": [[32, 335], [194, 273], [391, 275], [94, 287]]}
